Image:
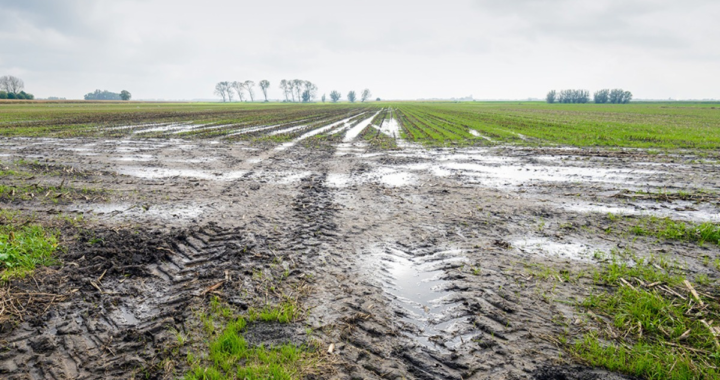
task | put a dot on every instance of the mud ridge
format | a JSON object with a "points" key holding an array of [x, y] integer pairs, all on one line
{"points": [[124, 291]]}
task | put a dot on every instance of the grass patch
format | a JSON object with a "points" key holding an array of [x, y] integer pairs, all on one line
{"points": [[285, 312], [377, 139], [23, 248], [230, 356], [665, 228], [656, 324]]}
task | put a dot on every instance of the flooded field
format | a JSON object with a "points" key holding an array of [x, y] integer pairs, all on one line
{"points": [[453, 262]]}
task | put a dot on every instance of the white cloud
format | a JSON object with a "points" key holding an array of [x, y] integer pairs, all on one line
{"points": [[400, 49]]}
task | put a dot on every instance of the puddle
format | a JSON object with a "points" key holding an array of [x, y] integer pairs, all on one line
{"points": [[170, 128], [353, 132], [155, 173], [545, 247], [662, 210], [287, 130], [193, 160], [337, 180], [345, 149], [415, 285], [257, 129], [384, 176], [391, 128], [137, 211], [131, 126], [398, 179], [477, 134], [123, 317], [203, 128], [280, 177], [138, 157], [313, 133]]}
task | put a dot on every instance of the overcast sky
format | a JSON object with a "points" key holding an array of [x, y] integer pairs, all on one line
{"points": [[179, 49]]}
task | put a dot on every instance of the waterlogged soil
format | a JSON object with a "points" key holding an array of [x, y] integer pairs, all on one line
{"points": [[413, 263]]}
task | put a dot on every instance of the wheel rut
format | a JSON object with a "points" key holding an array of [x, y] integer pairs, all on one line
{"points": [[123, 294]]}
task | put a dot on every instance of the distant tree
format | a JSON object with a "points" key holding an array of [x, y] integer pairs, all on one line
{"points": [[601, 96], [125, 95], [550, 97], [230, 92], [298, 86], [582, 96], [264, 84], [102, 95], [25, 95], [222, 89], [572, 96], [249, 87], [627, 97], [323, 98], [291, 89], [335, 96], [285, 86], [619, 96], [377, 100], [309, 92], [351, 96], [11, 84], [239, 88], [11, 95], [365, 95], [3, 94]]}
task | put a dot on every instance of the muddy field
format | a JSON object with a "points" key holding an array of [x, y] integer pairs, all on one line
{"points": [[419, 263]]}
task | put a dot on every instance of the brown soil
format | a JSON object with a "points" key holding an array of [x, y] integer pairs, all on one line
{"points": [[413, 263]]}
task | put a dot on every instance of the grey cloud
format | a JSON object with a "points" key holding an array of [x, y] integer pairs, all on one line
{"points": [[492, 49]]}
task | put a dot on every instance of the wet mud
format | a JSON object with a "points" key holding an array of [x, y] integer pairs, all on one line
{"points": [[413, 263]]}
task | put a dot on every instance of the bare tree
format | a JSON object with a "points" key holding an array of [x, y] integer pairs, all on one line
{"points": [[298, 86], [222, 89], [335, 96], [230, 92], [249, 87], [351, 96], [11, 84], [291, 89], [264, 84], [323, 98], [240, 89], [365, 95], [285, 86]]}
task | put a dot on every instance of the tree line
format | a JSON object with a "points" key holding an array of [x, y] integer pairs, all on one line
{"points": [[107, 95], [616, 96], [294, 90], [227, 90], [12, 88]]}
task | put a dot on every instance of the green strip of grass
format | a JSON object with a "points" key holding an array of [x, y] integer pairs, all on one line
{"points": [[230, 356], [22, 249], [377, 139], [654, 327], [669, 229]]}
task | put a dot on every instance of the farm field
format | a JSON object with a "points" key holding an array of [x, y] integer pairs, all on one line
{"points": [[496, 240]]}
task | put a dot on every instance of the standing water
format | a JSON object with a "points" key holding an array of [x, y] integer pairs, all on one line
{"points": [[417, 289]]}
